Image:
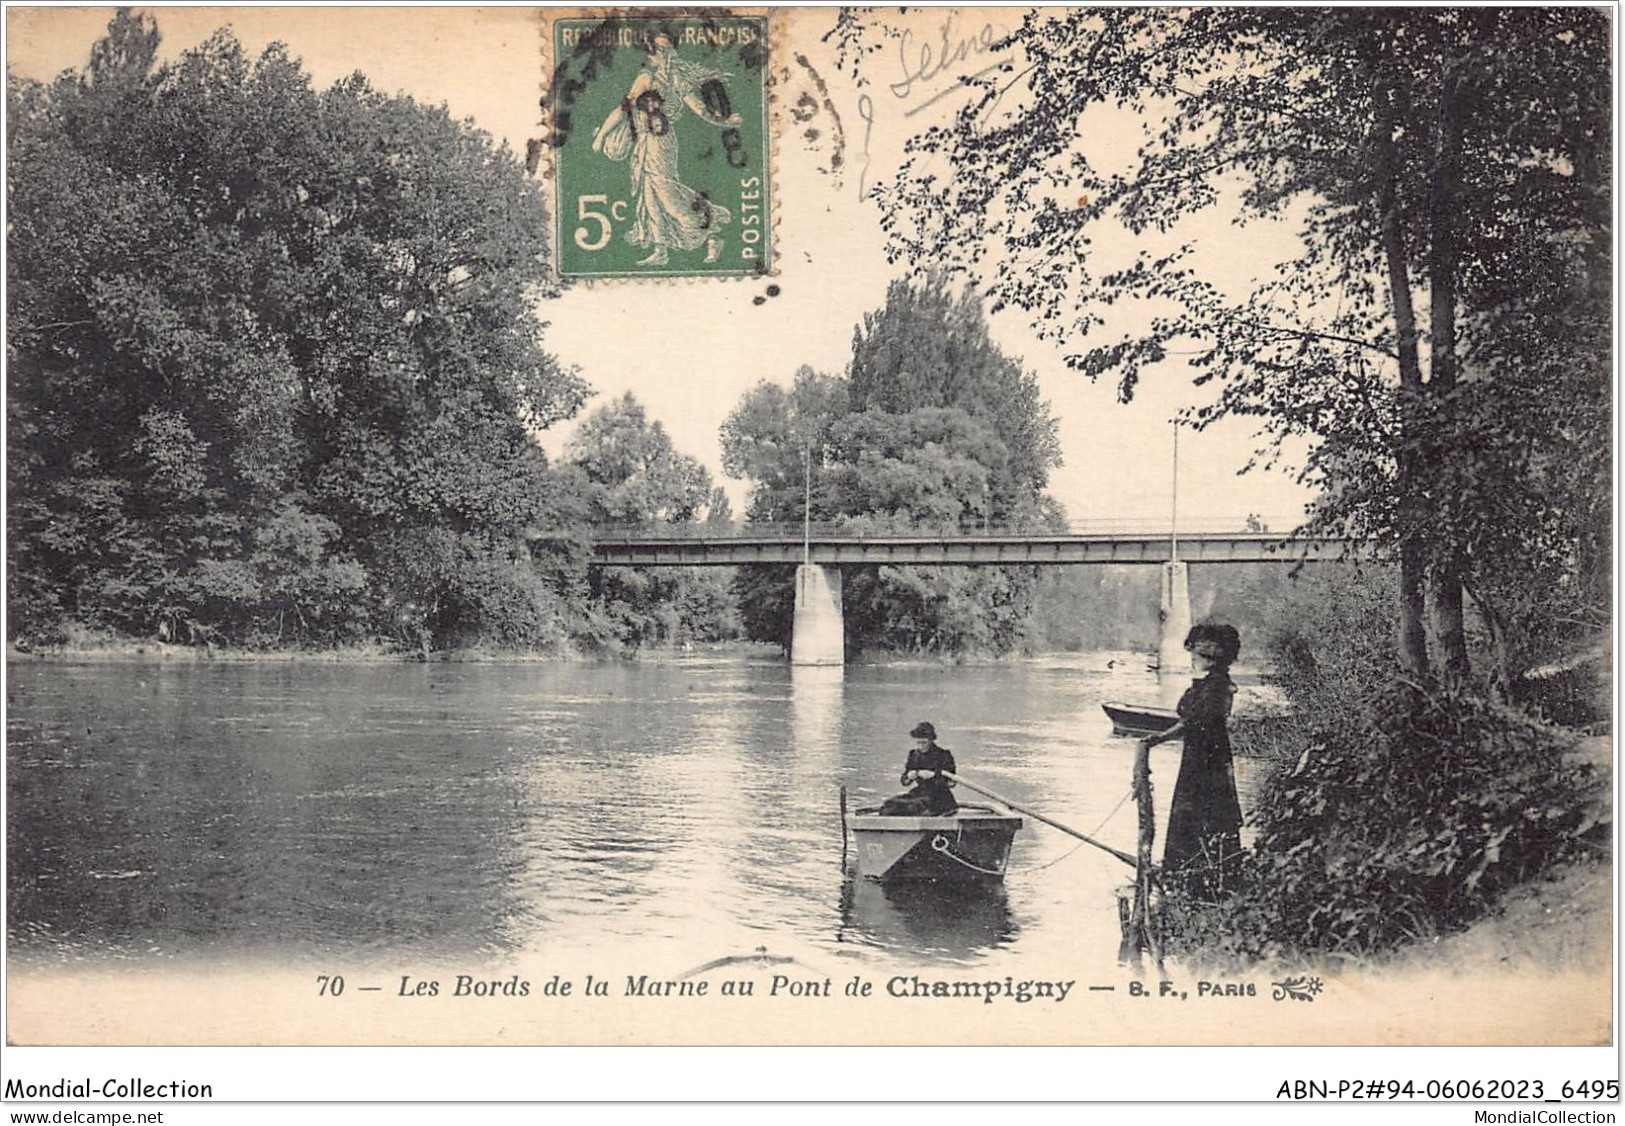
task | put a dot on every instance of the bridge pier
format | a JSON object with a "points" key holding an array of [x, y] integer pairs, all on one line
{"points": [[1172, 660], [818, 635]]}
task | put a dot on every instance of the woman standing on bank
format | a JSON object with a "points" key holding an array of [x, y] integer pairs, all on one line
{"points": [[1203, 848]]}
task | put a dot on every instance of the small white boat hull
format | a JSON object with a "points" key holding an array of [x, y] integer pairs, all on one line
{"points": [[1139, 719]]}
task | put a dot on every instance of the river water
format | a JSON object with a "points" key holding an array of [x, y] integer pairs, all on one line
{"points": [[363, 813]]}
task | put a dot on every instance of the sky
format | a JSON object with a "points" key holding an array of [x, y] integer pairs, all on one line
{"points": [[697, 345]]}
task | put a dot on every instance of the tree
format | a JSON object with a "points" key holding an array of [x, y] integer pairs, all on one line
{"points": [[770, 439], [933, 428], [634, 475], [925, 348], [1444, 172], [640, 476], [273, 351]]}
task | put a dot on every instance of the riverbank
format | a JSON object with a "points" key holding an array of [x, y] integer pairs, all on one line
{"points": [[1557, 920], [88, 646], [1557, 925], [1561, 920], [94, 648]]}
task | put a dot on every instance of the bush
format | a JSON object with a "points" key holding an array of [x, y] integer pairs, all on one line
{"points": [[1393, 812], [1402, 819]]}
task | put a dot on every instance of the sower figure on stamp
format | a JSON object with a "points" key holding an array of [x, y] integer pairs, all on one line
{"points": [[668, 214], [1203, 848], [931, 793]]}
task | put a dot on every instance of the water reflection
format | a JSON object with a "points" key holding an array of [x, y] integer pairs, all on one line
{"points": [[280, 811], [817, 696], [939, 921]]}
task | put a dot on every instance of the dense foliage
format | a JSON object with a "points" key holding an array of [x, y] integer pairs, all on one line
{"points": [[932, 428], [633, 476], [1441, 338], [1400, 812], [273, 358], [1448, 801]]}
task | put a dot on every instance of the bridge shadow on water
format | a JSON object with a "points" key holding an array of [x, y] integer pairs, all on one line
{"points": [[938, 921]]}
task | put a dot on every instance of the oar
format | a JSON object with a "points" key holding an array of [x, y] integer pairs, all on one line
{"points": [[1035, 815]]}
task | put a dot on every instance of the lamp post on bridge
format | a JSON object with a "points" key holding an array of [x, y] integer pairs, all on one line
{"points": [[1174, 615], [1173, 515]]}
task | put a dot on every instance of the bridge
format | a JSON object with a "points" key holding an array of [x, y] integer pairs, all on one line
{"points": [[830, 545], [818, 552]]}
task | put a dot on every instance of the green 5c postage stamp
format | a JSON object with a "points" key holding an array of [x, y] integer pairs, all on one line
{"points": [[660, 134]]}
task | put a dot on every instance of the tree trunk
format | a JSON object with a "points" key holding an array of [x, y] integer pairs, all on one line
{"points": [[1413, 504], [1502, 672], [1449, 629], [1444, 261]]}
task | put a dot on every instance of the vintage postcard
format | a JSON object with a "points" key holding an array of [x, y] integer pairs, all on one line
{"points": [[707, 527]]}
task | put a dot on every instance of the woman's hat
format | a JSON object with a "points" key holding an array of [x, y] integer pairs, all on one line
{"points": [[1214, 641], [923, 730]]}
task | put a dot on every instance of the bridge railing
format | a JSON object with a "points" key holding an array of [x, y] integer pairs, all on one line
{"points": [[794, 531]]}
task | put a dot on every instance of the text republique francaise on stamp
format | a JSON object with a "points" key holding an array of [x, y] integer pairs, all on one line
{"points": [[660, 138]]}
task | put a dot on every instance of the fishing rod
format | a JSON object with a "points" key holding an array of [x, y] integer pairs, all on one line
{"points": [[1126, 858]]}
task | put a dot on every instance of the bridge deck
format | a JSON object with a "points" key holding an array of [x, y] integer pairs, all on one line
{"points": [[651, 549]]}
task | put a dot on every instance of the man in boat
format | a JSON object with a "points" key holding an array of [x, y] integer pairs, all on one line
{"points": [[931, 794]]}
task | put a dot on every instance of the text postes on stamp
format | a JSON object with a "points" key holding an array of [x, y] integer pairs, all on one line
{"points": [[660, 133]]}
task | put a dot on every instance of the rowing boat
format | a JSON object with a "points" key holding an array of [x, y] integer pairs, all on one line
{"points": [[1139, 719], [970, 844]]}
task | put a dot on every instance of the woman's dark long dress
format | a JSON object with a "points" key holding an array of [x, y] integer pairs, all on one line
{"points": [[1203, 848]]}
